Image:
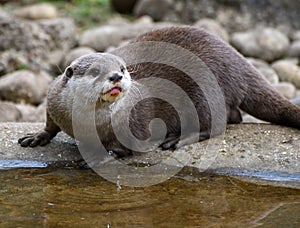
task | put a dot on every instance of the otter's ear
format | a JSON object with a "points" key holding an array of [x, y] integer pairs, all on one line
{"points": [[69, 72]]}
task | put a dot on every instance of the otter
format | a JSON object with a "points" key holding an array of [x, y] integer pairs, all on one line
{"points": [[104, 80]]}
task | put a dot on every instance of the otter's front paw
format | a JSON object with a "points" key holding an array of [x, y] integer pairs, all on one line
{"points": [[33, 140]]}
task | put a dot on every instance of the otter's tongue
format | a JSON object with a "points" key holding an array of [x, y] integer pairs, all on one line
{"points": [[114, 91]]}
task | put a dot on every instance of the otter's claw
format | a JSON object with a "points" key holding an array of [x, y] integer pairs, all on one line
{"points": [[33, 140]]}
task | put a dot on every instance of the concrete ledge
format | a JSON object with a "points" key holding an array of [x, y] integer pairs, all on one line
{"points": [[251, 147], [61, 149]]}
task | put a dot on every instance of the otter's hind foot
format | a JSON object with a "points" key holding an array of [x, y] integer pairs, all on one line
{"points": [[175, 141], [37, 139]]}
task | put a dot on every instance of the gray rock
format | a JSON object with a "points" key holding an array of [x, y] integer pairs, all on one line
{"points": [[62, 32], [265, 69], [296, 35], [288, 90], [156, 9], [294, 50], [28, 43], [75, 53], [237, 15], [213, 27], [54, 60], [12, 60], [24, 86], [37, 11], [296, 101], [102, 37], [9, 112], [108, 36], [31, 113], [297, 93], [265, 43], [288, 71]]}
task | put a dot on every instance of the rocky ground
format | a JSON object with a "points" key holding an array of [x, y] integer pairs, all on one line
{"points": [[264, 151], [36, 44]]}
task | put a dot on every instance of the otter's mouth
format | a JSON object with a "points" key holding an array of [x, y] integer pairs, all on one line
{"points": [[114, 91], [113, 94]]}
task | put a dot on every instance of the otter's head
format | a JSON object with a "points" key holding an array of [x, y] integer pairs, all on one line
{"points": [[101, 78]]}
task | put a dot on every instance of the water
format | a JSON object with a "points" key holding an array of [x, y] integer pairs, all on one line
{"points": [[68, 197]]}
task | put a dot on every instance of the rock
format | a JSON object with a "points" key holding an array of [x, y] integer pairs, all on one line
{"points": [[54, 60], [265, 69], [112, 35], [62, 32], [297, 93], [12, 60], [156, 9], [101, 38], [294, 50], [288, 71], [24, 86], [123, 6], [27, 44], [237, 15], [296, 35], [9, 112], [118, 21], [288, 90], [296, 101], [31, 113], [265, 43], [75, 53], [37, 11], [213, 27]]}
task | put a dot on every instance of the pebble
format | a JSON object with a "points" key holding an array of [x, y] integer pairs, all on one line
{"points": [[267, 44], [288, 71], [75, 53], [288, 90], [294, 50], [25, 86], [9, 112], [213, 27], [37, 11]]}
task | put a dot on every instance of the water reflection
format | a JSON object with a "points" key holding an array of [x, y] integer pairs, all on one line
{"points": [[71, 197]]}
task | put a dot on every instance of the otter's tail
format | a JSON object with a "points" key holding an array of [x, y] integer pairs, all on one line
{"points": [[264, 102]]}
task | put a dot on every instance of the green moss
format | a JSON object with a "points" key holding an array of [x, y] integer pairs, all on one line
{"points": [[86, 13], [22, 67]]}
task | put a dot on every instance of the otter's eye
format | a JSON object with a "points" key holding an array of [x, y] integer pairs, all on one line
{"points": [[69, 72], [94, 72], [123, 69]]}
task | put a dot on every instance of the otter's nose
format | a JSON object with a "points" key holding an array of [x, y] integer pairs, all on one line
{"points": [[115, 78]]}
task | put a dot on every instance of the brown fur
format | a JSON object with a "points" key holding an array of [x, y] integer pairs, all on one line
{"points": [[242, 85]]}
